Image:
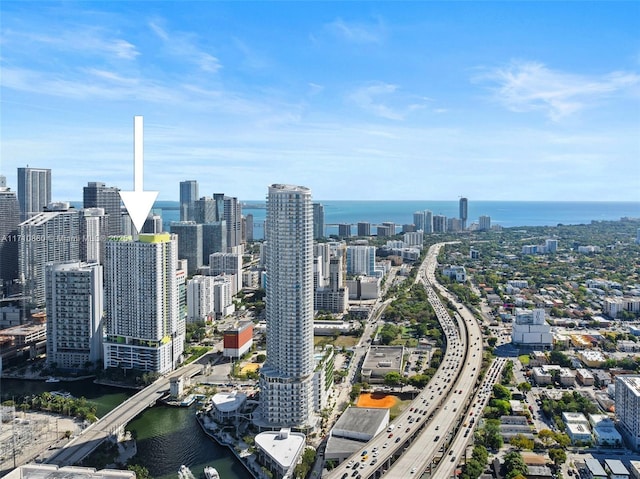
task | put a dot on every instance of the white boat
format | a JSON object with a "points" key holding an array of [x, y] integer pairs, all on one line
{"points": [[185, 473], [52, 380], [211, 473]]}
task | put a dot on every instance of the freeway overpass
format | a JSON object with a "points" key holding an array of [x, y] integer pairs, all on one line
{"points": [[421, 430]]}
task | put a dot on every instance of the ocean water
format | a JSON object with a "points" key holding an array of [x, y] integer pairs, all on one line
{"points": [[504, 213]]}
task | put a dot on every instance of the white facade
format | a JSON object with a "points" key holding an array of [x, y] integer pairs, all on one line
{"points": [[223, 286], [144, 329], [361, 260], [74, 298], [530, 329], [200, 303], [628, 407], [46, 237], [227, 263], [286, 379]]}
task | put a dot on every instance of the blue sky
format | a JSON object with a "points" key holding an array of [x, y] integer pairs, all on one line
{"points": [[356, 100]]}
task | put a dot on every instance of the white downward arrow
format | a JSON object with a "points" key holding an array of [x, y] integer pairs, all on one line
{"points": [[138, 202]]}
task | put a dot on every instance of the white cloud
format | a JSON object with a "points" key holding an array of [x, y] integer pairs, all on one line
{"points": [[183, 45], [529, 86], [87, 39], [357, 32], [376, 97]]}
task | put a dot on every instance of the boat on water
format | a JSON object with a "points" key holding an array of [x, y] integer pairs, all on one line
{"points": [[62, 394], [211, 473], [185, 473], [52, 380]]}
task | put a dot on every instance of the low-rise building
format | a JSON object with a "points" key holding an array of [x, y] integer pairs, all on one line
{"points": [[578, 433], [592, 359], [566, 377], [634, 469], [226, 406], [51, 471], [585, 377], [379, 361], [541, 377], [280, 451], [595, 469], [616, 469], [238, 339], [355, 427]]}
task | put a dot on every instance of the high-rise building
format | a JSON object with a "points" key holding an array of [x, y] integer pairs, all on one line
{"points": [[218, 201], [364, 229], [214, 239], [49, 236], [74, 314], [143, 327], [9, 220], [286, 379], [204, 210], [439, 224], [152, 225], [200, 303], [189, 243], [233, 217], [34, 191], [188, 197], [248, 227], [628, 407], [428, 221], [227, 263], [391, 226], [383, 231], [94, 224], [418, 220], [361, 260], [318, 220], [344, 230], [464, 213], [97, 195], [484, 223]]}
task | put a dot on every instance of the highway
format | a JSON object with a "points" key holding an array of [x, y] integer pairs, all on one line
{"points": [[413, 438], [81, 446]]}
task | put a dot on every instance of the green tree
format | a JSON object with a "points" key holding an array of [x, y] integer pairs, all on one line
{"points": [[514, 465], [501, 392], [524, 387], [558, 455], [394, 378], [141, 471], [519, 441]]}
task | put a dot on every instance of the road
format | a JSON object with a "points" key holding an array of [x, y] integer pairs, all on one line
{"points": [[80, 447], [424, 426]]}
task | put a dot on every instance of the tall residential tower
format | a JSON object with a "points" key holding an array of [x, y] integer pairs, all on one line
{"points": [[34, 190], [143, 327], [286, 380]]}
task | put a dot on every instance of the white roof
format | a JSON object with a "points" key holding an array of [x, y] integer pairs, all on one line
{"points": [[616, 467], [282, 448], [226, 402]]}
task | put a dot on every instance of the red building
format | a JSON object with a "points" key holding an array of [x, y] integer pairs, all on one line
{"points": [[238, 340]]}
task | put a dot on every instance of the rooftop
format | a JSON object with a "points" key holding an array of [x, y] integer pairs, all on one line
{"points": [[632, 381], [595, 467], [51, 471], [384, 357], [226, 402], [616, 467], [282, 446], [363, 420]]}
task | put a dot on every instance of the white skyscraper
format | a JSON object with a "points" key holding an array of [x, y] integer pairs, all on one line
{"points": [[628, 407], [286, 380], [46, 237], [74, 314], [144, 329]]}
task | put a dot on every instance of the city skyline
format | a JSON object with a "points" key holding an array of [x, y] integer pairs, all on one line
{"points": [[371, 100]]}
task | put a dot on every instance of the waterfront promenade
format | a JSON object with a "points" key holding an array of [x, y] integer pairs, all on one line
{"points": [[89, 439]]}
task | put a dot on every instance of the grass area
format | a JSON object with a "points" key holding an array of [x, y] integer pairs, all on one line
{"points": [[339, 343], [397, 408], [251, 367], [524, 359], [195, 352]]}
